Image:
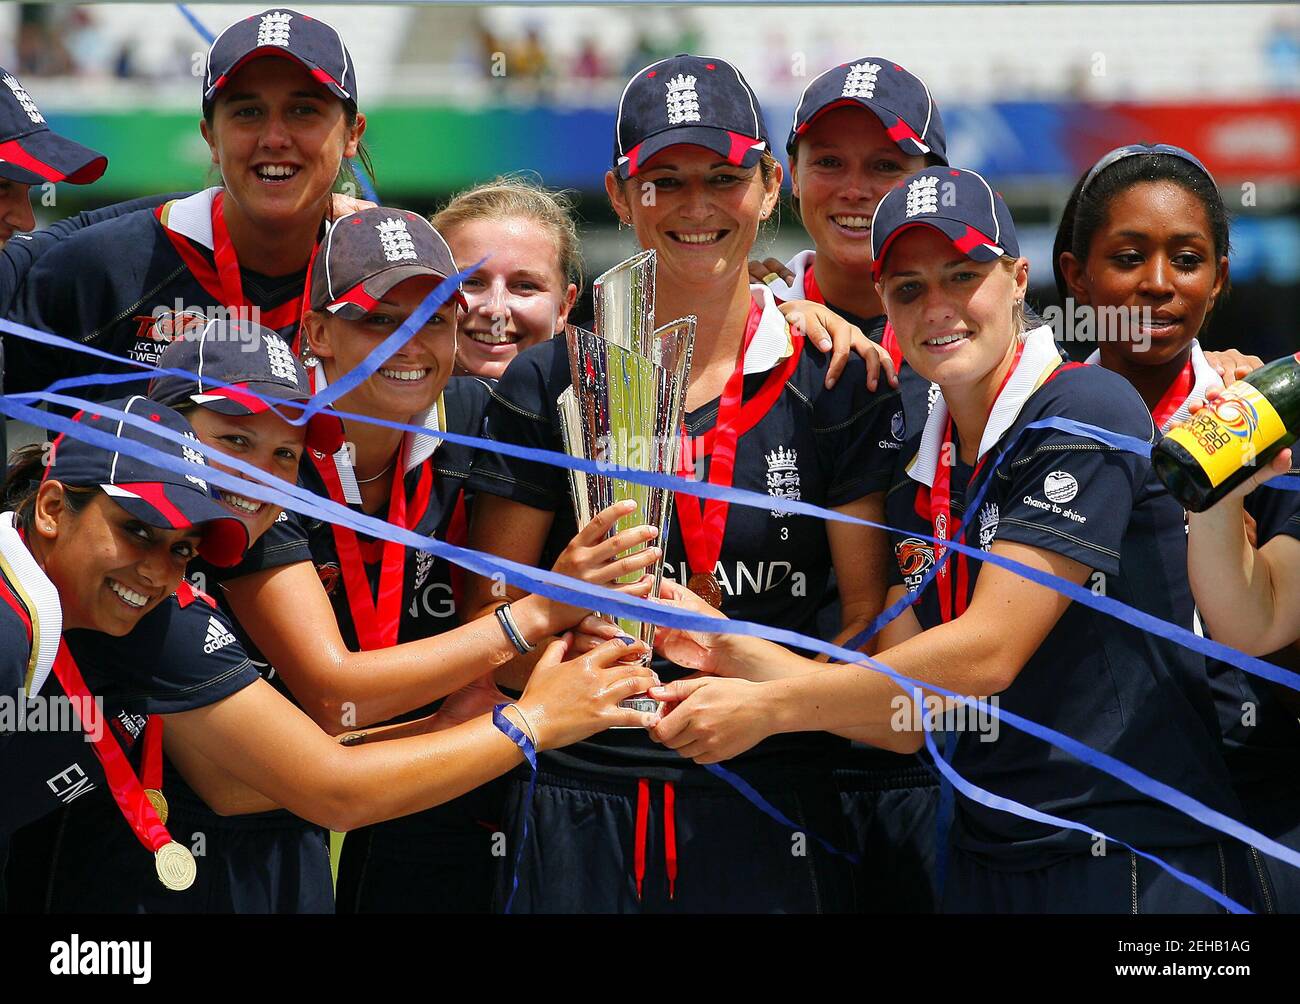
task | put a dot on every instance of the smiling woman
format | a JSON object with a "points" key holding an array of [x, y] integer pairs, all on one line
{"points": [[694, 177], [530, 274], [94, 558], [279, 101], [1143, 242], [948, 269]]}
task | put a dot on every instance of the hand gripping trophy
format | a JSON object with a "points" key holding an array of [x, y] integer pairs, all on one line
{"points": [[625, 408]]}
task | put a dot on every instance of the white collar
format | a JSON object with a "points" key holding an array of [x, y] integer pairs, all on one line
{"points": [[192, 216], [38, 595], [1204, 378], [416, 448], [1039, 358], [800, 265], [772, 341]]}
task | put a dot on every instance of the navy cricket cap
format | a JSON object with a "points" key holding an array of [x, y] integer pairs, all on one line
{"points": [[365, 254], [958, 203], [696, 100], [152, 494], [897, 97], [30, 153], [255, 362], [286, 33]]}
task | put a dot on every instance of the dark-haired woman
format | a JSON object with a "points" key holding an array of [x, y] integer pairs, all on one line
{"points": [[355, 631], [948, 268], [1143, 243], [617, 825], [280, 118], [163, 659]]}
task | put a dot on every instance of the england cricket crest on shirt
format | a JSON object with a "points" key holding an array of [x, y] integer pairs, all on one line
{"points": [[683, 102], [783, 476], [274, 28], [988, 525], [423, 562]]}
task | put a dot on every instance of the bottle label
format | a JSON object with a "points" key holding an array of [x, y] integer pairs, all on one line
{"points": [[1231, 433]]}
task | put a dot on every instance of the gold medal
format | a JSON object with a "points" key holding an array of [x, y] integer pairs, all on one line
{"points": [[159, 803], [176, 867], [705, 586]]}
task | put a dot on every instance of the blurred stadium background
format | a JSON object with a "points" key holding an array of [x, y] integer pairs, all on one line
{"points": [[457, 94]]}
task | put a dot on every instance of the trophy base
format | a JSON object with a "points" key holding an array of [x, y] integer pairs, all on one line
{"points": [[640, 702]]}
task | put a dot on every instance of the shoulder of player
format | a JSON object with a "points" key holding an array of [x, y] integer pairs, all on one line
{"points": [[108, 242], [466, 399], [1093, 396], [114, 261], [533, 380], [175, 646], [849, 400], [15, 634]]}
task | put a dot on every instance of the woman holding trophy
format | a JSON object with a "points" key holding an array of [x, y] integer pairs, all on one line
{"points": [[618, 824], [949, 269]]}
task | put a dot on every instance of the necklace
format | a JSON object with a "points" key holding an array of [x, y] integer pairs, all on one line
{"points": [[387, 467]]}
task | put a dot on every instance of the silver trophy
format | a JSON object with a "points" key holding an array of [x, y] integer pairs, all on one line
{"points": [[625, 409]]}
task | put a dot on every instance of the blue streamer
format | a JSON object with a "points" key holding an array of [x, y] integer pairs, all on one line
{"points": [[576, 592], [530, 577], [751, 794], [517, 736], [195, 23], [992, 801]]}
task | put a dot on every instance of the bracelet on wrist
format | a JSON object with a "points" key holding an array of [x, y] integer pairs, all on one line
{"points": [[516, 637]]}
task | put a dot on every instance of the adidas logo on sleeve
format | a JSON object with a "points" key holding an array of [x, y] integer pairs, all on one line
{"points": [[218, 637]]}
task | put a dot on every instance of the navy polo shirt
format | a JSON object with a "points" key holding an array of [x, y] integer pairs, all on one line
{"points": [[819, 445], [131, 294], [1096, 678], [181, 656]]}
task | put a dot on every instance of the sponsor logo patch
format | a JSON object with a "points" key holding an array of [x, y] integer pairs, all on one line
{"points": [[1060, 487]]}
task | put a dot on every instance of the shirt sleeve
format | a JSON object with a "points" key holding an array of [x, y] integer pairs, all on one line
{"points": [[1070, 494], [522, 412], [23, 250], [1276, 511], [858, 436], [68, 291], [177, 659], [285, 543]]}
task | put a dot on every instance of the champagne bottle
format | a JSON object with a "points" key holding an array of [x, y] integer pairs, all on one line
{"points": [[1206, 457]]}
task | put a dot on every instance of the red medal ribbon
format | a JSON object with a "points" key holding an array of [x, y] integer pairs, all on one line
{"points": [[1173, 398], [151, 758], [702, 533], [888, 341], [811, 291], [126, 788], [938, 500], [223, 282], [376, 618]]}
